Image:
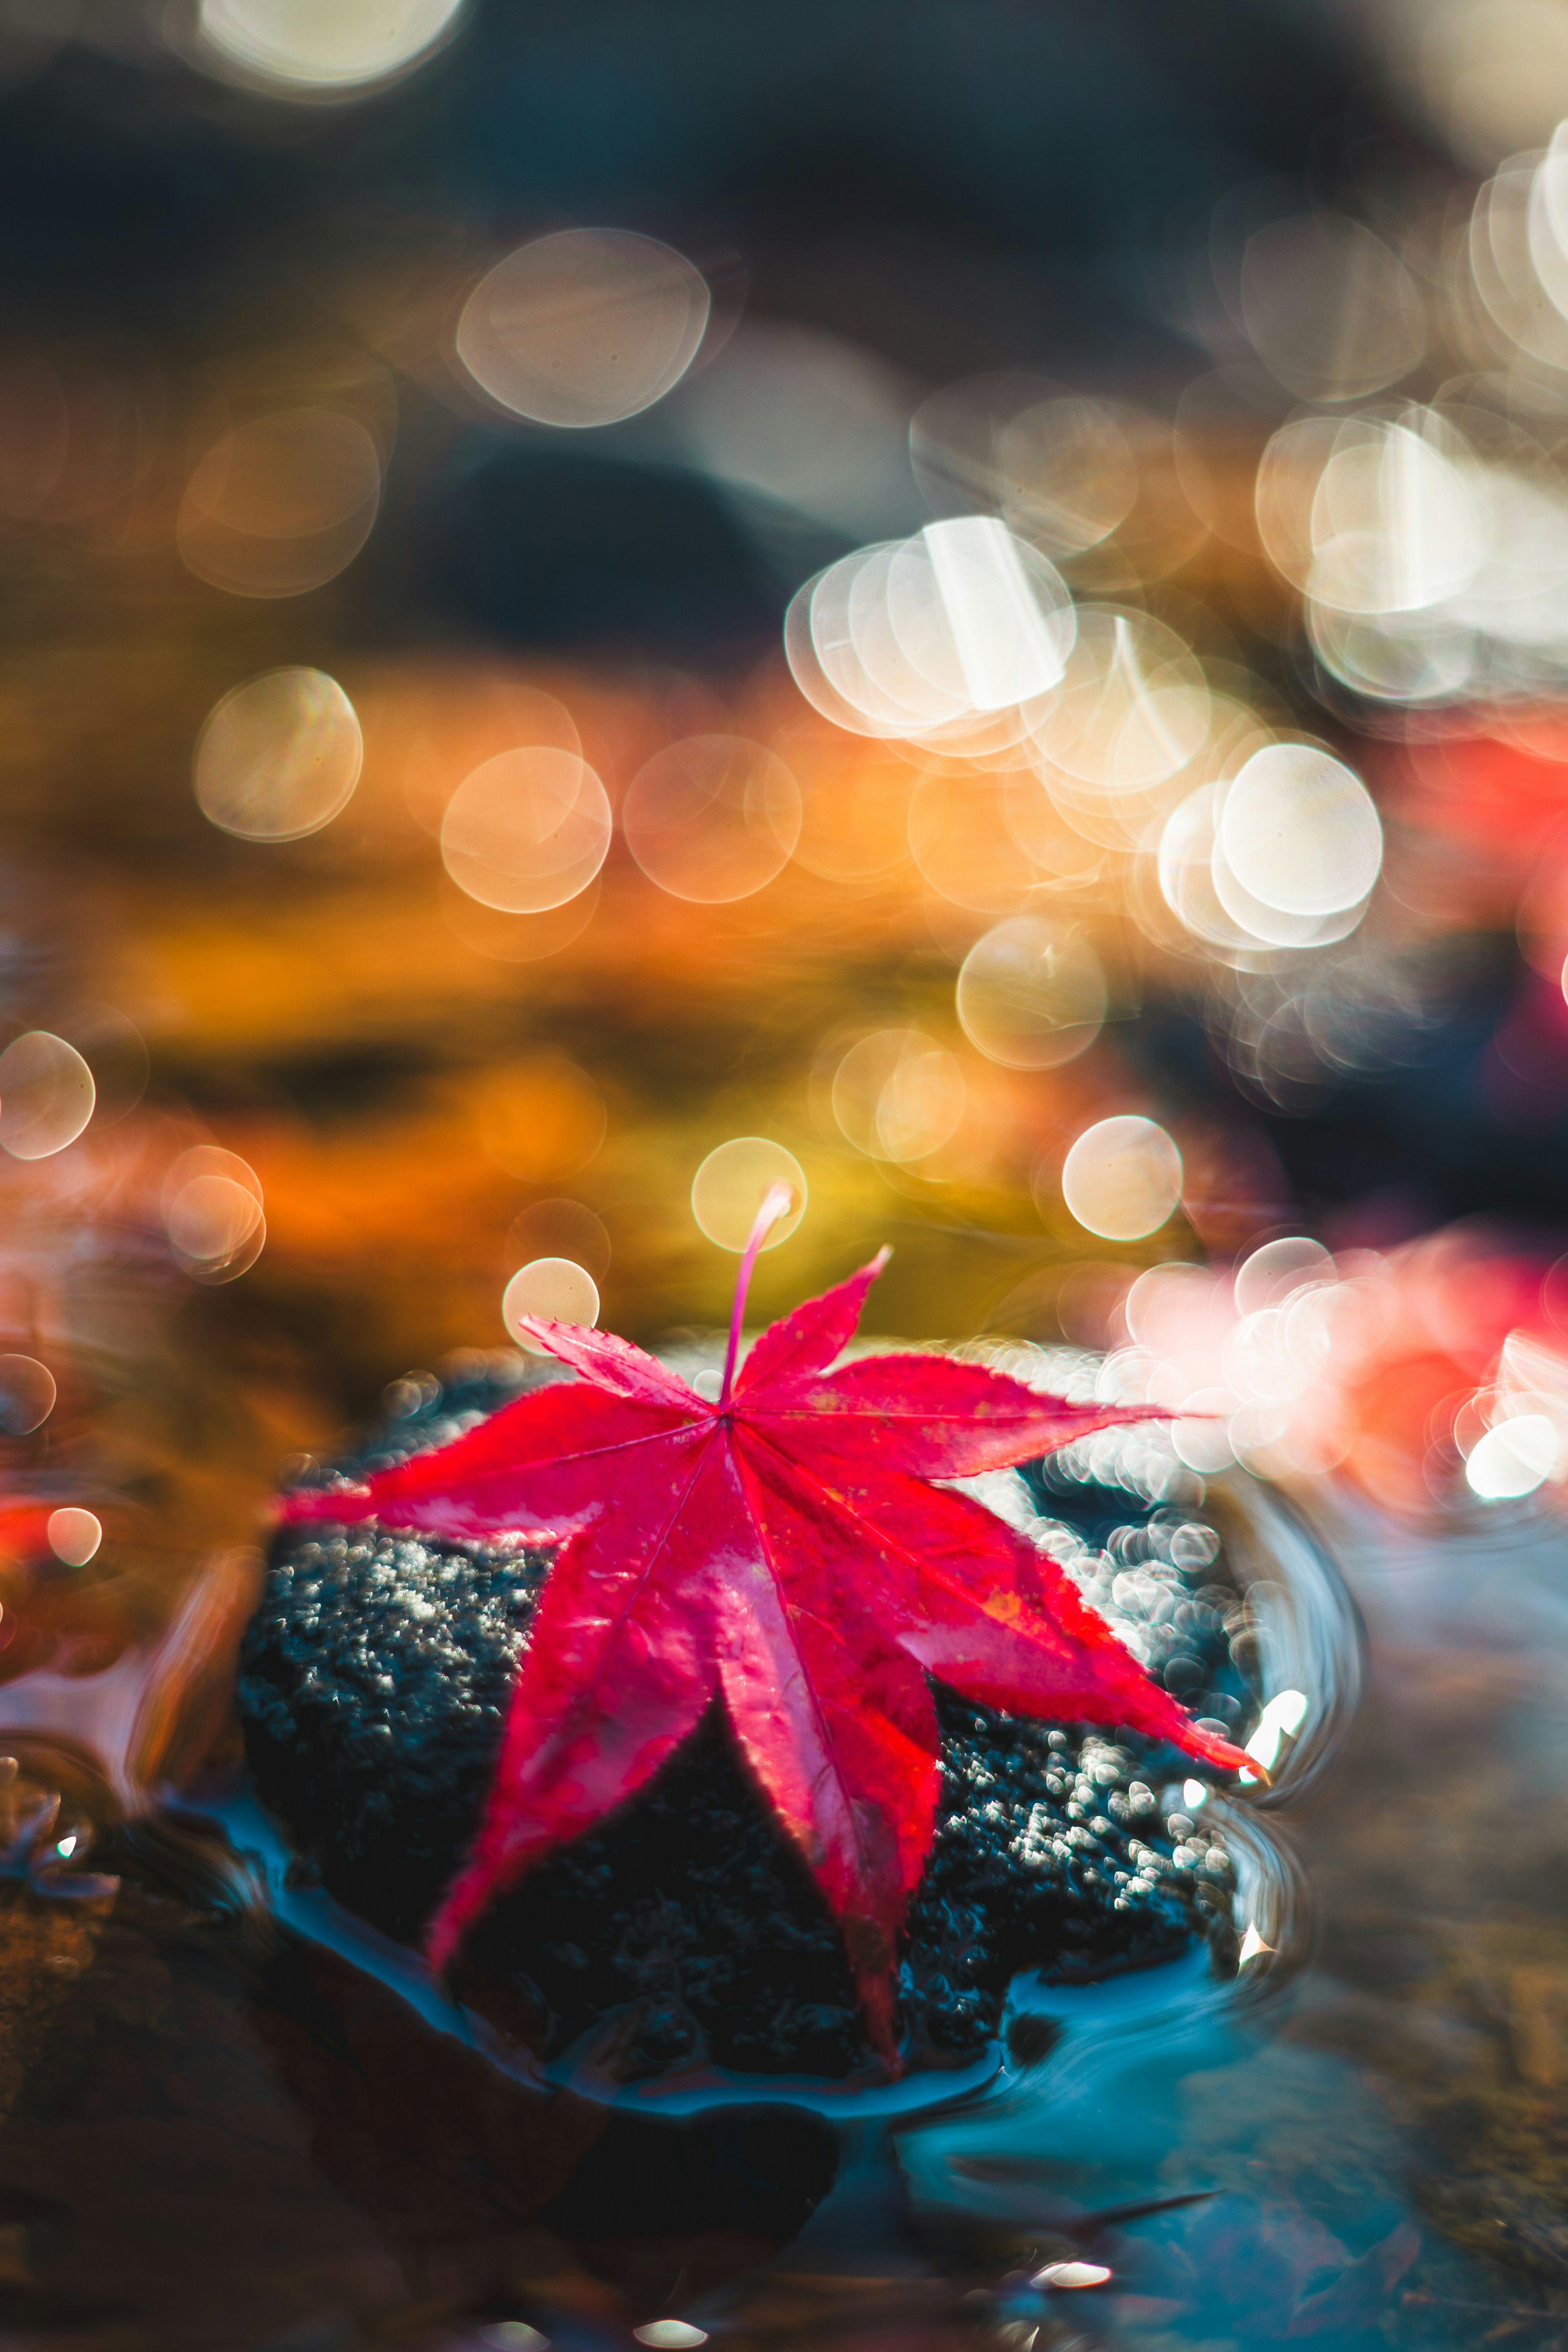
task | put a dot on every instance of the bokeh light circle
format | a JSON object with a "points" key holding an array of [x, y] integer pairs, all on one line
{"points": [[712, 818], [1276, 1272], [281, 503], [213, 1213], [26, 1394], [898, 1095], [528, 830], [1202, 888], [323, 48], [211, 1218], [1007, 610], [46, 1095], [279, 757], [1132, 707], [821, 658], [556, 1289], [1301, 831], [208, 1160], [1031, 993], [1330, 310], [1513, 1457], [939, 637], [731, 1184], [1255, 920], [1122, 1178], [584, 327], [1201, 1437], [287, 474], [482, 714], [74, 1535]]}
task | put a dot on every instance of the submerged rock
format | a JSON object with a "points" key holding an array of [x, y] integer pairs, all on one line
{"points": [[374, 1681]]}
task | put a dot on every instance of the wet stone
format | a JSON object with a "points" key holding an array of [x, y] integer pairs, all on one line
{"points": [[374, 1682]]}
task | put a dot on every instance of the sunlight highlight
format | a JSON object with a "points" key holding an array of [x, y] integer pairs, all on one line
{"points": [[584, 327], [279, 757], [301, 49], [1122, 1178], [527, 831], [555, 1289], [46, 1095], [74, 1535], [1031, 994], [213, 1214], [729, 1188]]}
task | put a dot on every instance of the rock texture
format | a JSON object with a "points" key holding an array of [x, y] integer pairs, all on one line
{"points": [[375, 1683]]}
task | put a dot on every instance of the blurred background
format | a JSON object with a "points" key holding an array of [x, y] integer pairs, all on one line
{"points": [[963, 604], [970, 603]]}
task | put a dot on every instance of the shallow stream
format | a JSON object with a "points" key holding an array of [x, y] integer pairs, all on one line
{"points": [[234, 2116]]}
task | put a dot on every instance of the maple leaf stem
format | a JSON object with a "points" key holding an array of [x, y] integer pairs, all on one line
{"points": [[777, 1202]]}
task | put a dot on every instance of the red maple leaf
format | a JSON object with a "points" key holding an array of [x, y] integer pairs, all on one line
{"points": [[784, 1547]]}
